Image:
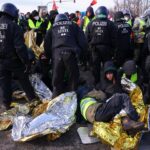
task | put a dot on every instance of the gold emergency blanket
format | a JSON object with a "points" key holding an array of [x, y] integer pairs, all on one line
{"points": [[30, 41], [21, 104], [6, 118], [113, 134], [56, 120]]}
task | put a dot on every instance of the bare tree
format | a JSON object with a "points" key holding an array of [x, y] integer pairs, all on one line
{"points": [[137, 7]]}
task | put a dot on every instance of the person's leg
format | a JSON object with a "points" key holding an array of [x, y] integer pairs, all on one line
{"points": [[25, 83], [72, 71], [58, 76], [114, 105], [5, 87], [96, 65]]}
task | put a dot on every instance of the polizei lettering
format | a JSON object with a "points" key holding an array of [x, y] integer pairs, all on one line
{"points": [[103, 23], [62, 23]]}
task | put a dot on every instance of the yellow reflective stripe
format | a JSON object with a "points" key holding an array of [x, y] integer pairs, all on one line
{"points": [[85, 100], [49, 25], [84, 105]]}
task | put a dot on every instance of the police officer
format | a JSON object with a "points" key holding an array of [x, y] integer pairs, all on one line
{"points": [[101, 36], [123, 50], [127, 17], [13, 55], [63, 43]]}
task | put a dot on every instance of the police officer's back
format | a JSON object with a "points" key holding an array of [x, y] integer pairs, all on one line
{"points": [[13, 54], [101, 36], [123, 50], [63, 43]]}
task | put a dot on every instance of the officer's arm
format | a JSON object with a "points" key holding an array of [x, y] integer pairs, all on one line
{"points": [[82, 40], [82, 43], [88, 33], [48, 44], [113, 31], [20, 46]]}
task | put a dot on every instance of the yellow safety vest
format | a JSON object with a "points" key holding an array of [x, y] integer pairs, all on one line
{"points": [[86, 22], [32, 25], [139, 35], [130, 22], [134, 77], [142, 24]]}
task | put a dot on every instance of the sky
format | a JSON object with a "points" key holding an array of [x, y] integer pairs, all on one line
{"points": [[81, 5]]}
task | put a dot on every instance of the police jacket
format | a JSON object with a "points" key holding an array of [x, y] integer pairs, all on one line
{"points": [[101, 32], [123, 36], [12, 47], [65, 35]]}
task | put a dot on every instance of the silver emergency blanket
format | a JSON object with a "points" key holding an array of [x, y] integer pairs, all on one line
{"points": [[40, 88], [59, 116], [128, 85]]}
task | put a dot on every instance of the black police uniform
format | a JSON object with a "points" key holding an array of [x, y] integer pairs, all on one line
{"points": [[13, 59], [63, 43], [101, 36], [123, 50]]}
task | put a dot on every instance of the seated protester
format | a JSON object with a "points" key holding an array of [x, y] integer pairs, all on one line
{"points": [[133, 73], [109, 83], [92, 111]]}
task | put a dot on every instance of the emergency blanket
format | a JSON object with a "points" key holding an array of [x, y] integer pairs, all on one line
{"points": [[6, 118], [36, 108], [30, 41], [112, 133], [57, 119], [42, 91], [40, 88]]}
